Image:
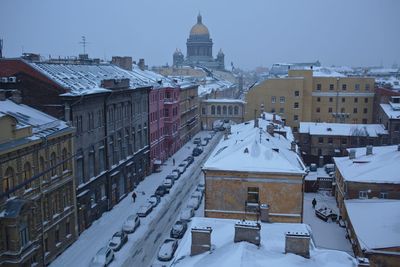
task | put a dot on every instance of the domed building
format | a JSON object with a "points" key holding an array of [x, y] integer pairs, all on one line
{"points": [[199, 49]]}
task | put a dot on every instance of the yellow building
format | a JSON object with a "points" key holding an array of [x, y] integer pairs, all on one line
{"points": [[37, 190], [313, 95], [251, 166]]}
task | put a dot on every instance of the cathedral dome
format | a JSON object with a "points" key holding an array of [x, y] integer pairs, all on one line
{"points": [[199, 29]]}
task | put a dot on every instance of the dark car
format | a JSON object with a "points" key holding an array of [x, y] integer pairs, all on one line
{"points": [[178, 230], [189, 160], [197, 151], [167, 250], [118, 240], [160, 191], [154, 200], [197, 140]]}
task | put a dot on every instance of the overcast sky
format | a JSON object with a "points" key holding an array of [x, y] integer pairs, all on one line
{"points": [[251, 33]]}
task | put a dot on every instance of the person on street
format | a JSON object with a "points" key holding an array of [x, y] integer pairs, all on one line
{"points": [[314, 203], [133, 196]]}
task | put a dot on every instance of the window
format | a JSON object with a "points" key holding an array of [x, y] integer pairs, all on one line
{"points": [[331, 99], [319, 86], [356, 100], [281, 110], [366, 100], [273, 99], [218, 110], [203, 111], [364, 121], [64, 159], [166, 112], [236, 110], [344, 87], [27, 174], [363, 194], [230, 110], [331, 87], [282, 99], [357, 87], [330, 140], [53, 164], [367, 87], [296, 104], [355, 110], [46, 244], [344, 141], [91, 163], [57, 236], [79, 169], [252, 194], [103, 191], [295, 117], [318, 110], [320, 140], [213, 110], [342, 110], [318, 99], [101, 159], [224, 110], [383, 195], [67, 228], [330, 110], [343, 99], [365, 110], [296, 93], [23, 234], [295, 129]]}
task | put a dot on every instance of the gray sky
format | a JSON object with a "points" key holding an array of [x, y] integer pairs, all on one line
{"points": [[251, 33]]}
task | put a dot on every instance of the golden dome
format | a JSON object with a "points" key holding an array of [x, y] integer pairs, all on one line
{"points": [[199, 28]]}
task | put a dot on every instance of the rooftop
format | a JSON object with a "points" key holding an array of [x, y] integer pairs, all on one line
{"points": [[382, 166], [375, 222], [342, 129], [392, 110]]}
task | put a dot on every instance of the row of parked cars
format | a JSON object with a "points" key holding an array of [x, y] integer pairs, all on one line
{"points": [[168, 248]]}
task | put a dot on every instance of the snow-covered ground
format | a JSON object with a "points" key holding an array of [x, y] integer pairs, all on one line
{"points": [[143, 244], [326, 234]]}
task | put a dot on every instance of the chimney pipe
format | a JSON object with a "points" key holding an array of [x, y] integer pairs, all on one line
{"points": [[369, 150], [352, 154]]}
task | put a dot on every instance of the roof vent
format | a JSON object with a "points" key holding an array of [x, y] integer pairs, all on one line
{"points": [[329, 129], [246, 150], [369, 150], [352, 154]]}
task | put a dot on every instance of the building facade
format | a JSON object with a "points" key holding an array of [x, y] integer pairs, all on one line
{"points": [[389, 115], [189, 107], [213, 110], [37, 189], [313, 95], [199, 49]]}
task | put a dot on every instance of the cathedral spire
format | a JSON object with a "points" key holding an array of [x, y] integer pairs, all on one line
{"points": [[199, 19]]}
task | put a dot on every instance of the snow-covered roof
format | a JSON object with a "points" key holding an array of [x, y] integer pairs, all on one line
{"points": [[342, 129], [211, 84], [250, 149], [326, 72], [41, 123], [382, 166], [223, 100], [81, 79], [271, 252], [392, 110], [375, 222], [392, 81]]}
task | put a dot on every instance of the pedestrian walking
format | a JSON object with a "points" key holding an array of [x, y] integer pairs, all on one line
{"points": [[133, 196], [314, 203], [173, 162]]}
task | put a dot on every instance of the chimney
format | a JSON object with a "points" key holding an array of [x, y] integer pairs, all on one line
{"points": [[321, 161], [256, 123], [270, 129], [264, 213], [369, 150], [293, 146], [298, 243], [248, 231], [141, 64], [201, 240], [352, 154], [274, 117]]}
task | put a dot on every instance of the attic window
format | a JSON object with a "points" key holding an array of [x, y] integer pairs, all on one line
{"points": [[246, 150]]}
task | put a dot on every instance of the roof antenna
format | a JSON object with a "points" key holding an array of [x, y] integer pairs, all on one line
{"points": [[84, 43], [1, 48]]}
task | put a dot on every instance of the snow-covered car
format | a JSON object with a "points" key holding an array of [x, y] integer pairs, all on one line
{"points": [[178, 229], [154, 200], [176, 173], [204, 142], [197, 151], [131, 223], [145, 209], [161, 191], [194, 203], [173, 175], [118, 240], [168, 183], [198, 195], [189, 160], [197, 140], [103, 257], [181, 168], [186, 214], [200, 188], [167, 250]]}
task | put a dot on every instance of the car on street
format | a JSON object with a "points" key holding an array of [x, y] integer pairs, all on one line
{"points": [[118, 240], [197, 194], [182, 168], [103, 257], [176, 173], [197, 140], [189, 160], [145, 209], [168, 183], [186, 214], [194, 203], [197, 151], [178, 229], [131, 223], [161, 191], [200, 188], [173, 175], [154, 200], [167, 249], [204, 142]]}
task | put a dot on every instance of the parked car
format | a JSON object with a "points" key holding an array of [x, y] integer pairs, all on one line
{"points": [[118, 240], [326, 214], [103, 257], [193, 203], [178, 229], [204, 142], [182, 168], [329, 168], [161, 191], [189, 160], [186, 214], [173, 175], [197, 151], [313, 167], [168, 183], [167, 249], [145, 209], [177, 173], [197, 194], [131, 223], [154, 200], [200, 187], [197, 140]]}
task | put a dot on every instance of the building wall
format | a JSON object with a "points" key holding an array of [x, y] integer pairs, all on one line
{"points": [[214, 111], [190, 113], [172, 122], [318, 99], [226, 195], [50, 200]]}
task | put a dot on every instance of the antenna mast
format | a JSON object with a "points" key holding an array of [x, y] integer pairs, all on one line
{"points": [[84, 43], [1, 48]]}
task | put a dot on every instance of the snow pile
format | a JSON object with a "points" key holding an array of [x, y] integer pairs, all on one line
{"points": [[271, 252]]}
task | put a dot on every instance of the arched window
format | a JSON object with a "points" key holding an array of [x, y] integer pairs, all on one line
{"points": [[8, 181], [230, 110], [64, 159], [91, 163], [224, 110], [213, 110], [218, 110], [53, 164], [27, 174], [236, 110]]}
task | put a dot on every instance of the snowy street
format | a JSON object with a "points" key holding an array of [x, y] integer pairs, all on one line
{"points": [[142, 246]]}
